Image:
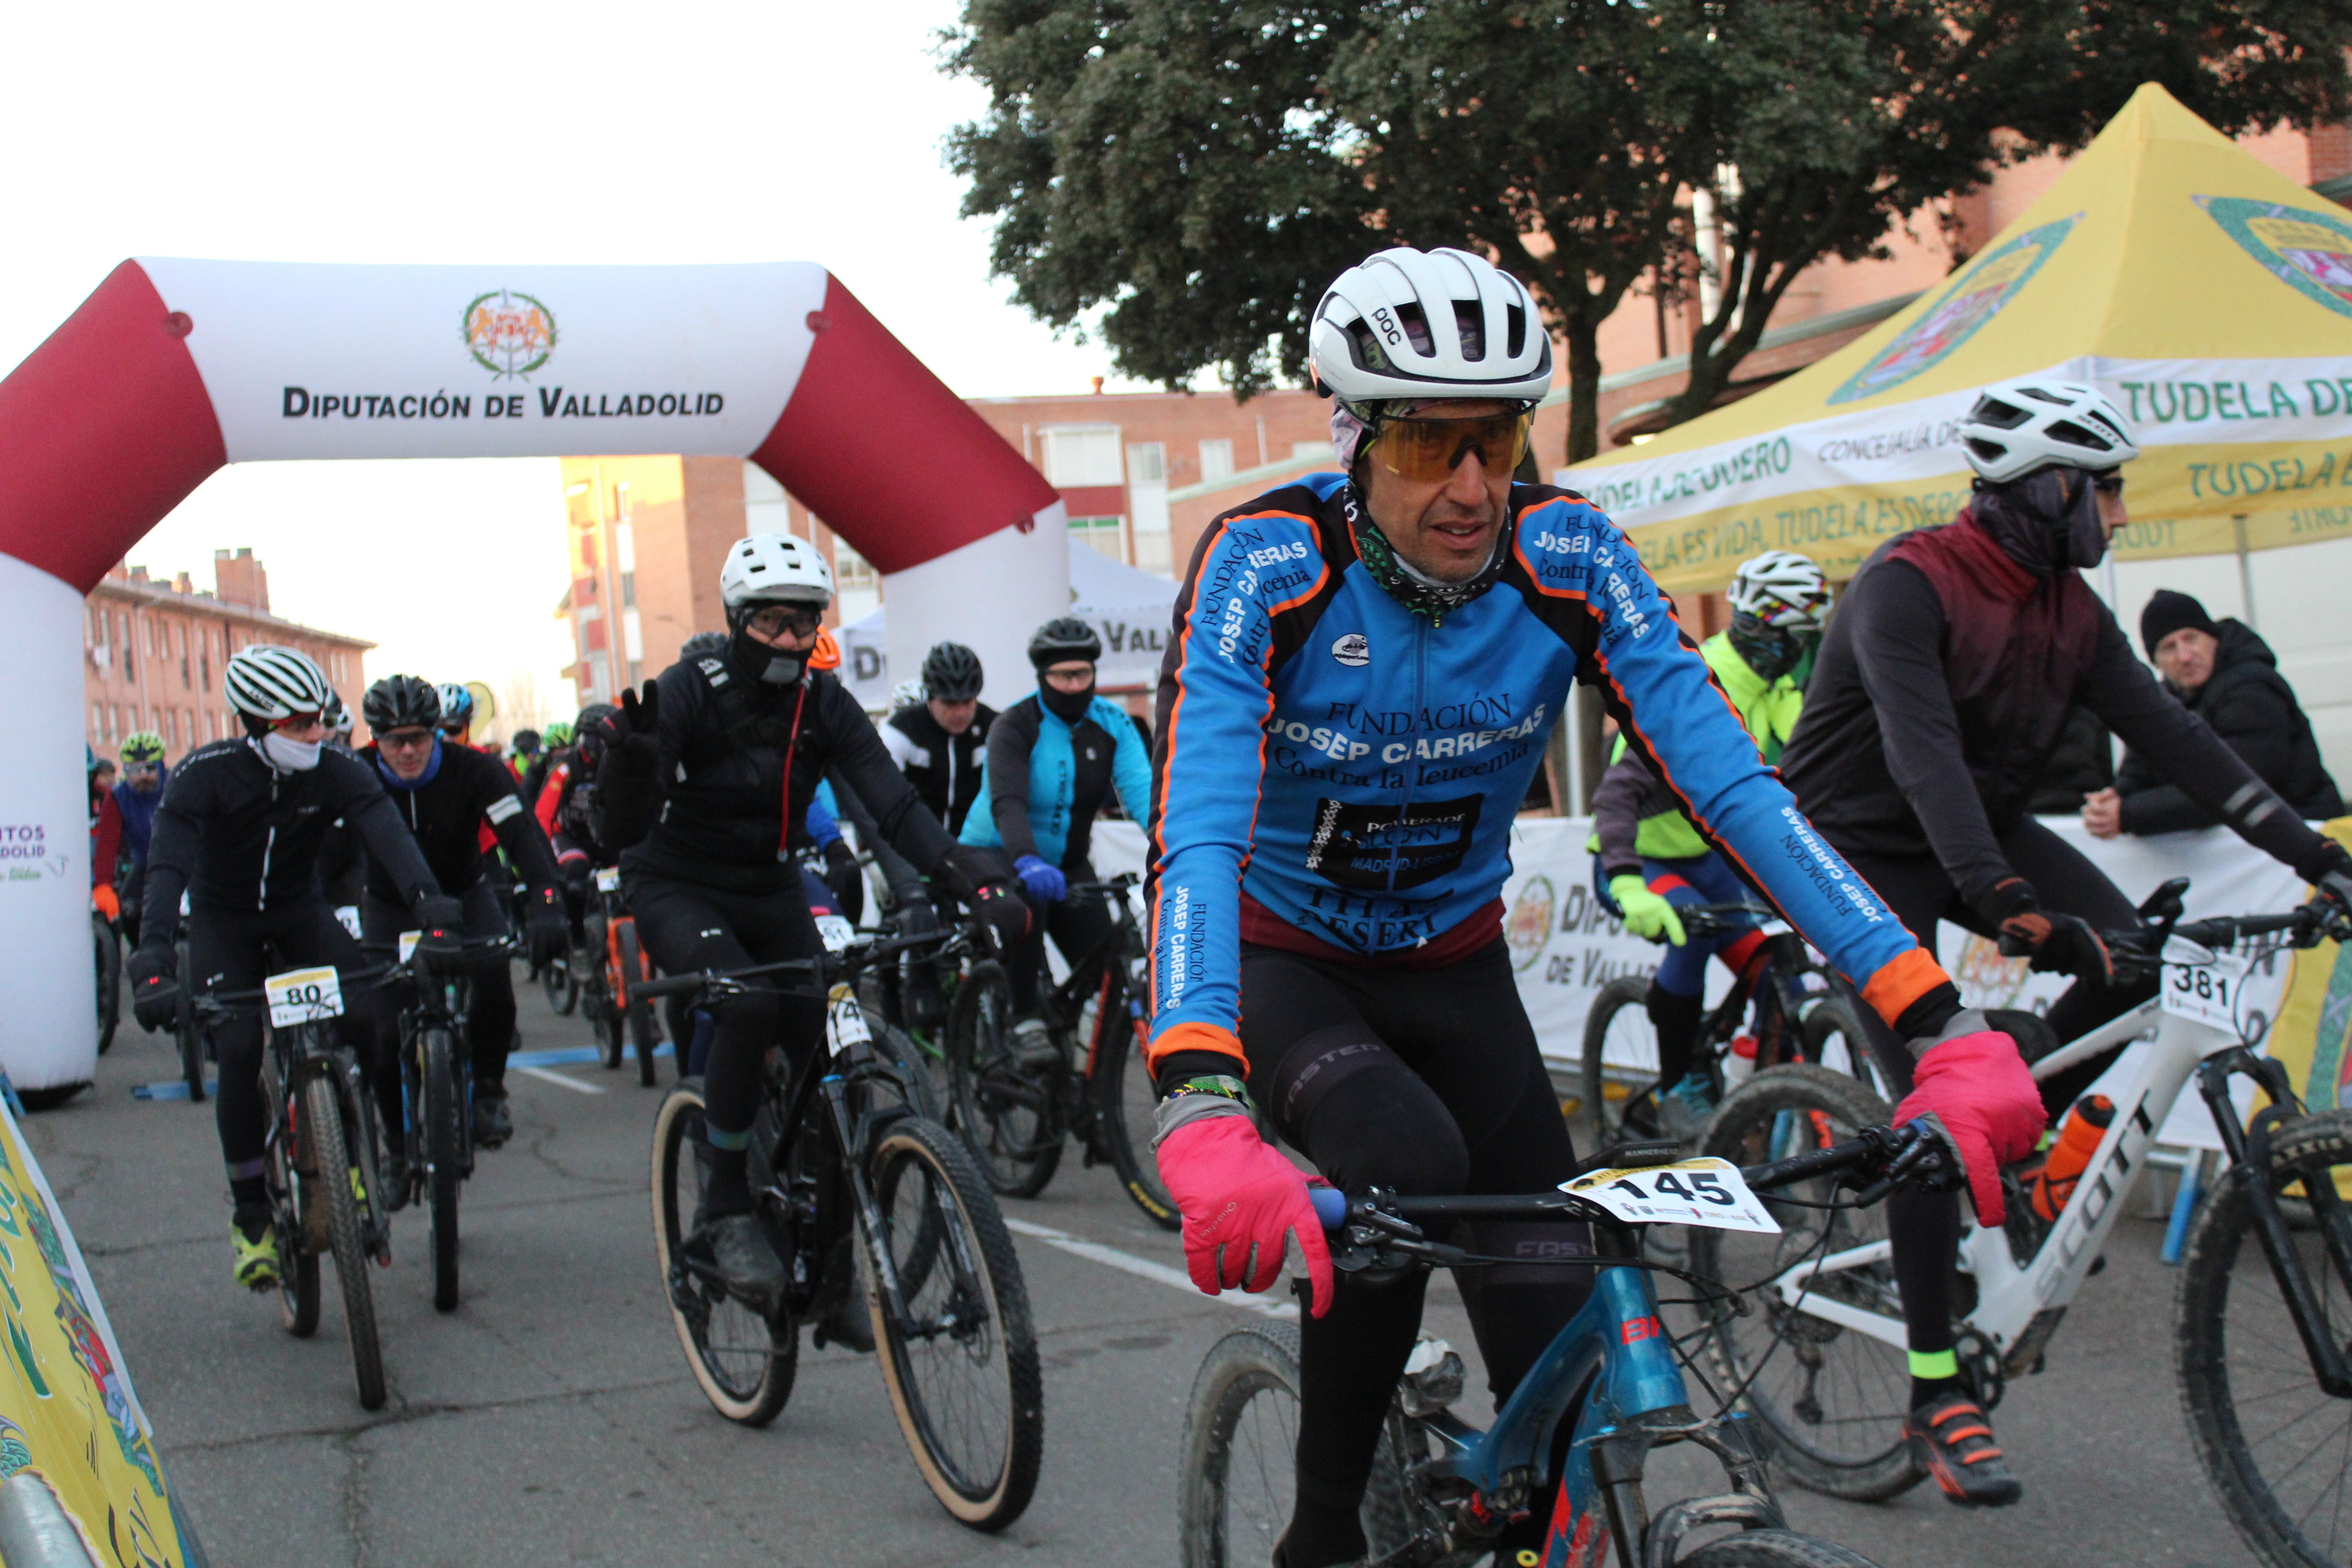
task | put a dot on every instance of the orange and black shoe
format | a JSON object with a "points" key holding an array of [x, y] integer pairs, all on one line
{"points": [[1953, 1442]]}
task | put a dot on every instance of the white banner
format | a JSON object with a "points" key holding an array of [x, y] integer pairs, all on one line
{"points": [[313, 361], [2169, 401]]}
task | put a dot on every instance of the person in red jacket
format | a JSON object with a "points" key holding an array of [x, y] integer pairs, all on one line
{"points": [[105, 837]]}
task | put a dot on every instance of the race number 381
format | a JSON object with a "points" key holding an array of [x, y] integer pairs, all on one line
{"points": [[300, 996], [2206, 993]]}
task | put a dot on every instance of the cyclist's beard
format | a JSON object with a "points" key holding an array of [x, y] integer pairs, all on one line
{"points": [[2047, 521]]}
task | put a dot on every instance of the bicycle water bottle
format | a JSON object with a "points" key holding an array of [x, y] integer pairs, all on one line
{"points": [[2078, 1140], [1739, 1062]]}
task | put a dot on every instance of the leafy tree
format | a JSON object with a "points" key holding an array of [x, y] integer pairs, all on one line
{"points": [[1200, 170]]}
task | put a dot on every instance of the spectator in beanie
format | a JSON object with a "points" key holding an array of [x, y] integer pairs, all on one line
{"points": [[2227, 675]]}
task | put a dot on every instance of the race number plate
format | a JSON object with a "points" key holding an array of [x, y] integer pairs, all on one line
{"points": [[608, 879], [838, 933], [848, 1018], [1704, 1191], [2206, 993], [298, 996]]}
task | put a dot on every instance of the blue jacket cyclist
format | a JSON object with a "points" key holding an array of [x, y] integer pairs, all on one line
{"points": [[1054, 760], [1365, 668]]}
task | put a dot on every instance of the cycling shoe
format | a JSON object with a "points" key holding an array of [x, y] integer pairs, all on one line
{"points": [[746, 1260], [1953, 1442], [1683, 1110], [493, 1123], [255, 1265], [1033, 1049], [398, 1180]]}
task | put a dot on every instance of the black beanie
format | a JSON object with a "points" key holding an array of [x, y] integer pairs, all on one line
{"points": [[2166, 613]]}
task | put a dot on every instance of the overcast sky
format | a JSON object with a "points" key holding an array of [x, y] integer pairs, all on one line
{"points": [[488, 132]]}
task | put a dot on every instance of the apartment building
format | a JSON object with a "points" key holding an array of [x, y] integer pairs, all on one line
{"points": [[153, 651]]}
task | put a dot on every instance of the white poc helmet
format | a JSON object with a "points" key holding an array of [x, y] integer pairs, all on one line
{"points": [[908, 694], [2017, 427], [773, 569], [1438, 323], [1781, 588], [269, 683]]}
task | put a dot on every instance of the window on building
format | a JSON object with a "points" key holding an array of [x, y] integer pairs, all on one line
{"points": [[1216, 461], [851, 570], [1105, 534], [1146, 463], [1081, 455], [98, 719]]}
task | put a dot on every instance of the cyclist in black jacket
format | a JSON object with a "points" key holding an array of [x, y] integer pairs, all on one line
{"points": [[239, 831], [941, 740], [704, 772], [444, 792]]}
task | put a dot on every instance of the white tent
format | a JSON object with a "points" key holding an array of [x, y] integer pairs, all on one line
{"points": [[1131, 611]]}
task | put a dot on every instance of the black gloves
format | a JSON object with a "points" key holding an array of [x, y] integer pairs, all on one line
{"points": [[548, 932], [442, 922], [981, 880], [629, 782], [154, 993], [842, 875], [2329, 869], [637, 730], [2062, 944]]}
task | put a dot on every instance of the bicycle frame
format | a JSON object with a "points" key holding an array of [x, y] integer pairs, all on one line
{"points": [[1614, 1367], [2019, 1306]]}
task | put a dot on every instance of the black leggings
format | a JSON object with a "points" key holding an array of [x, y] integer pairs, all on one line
{"points": [[686, 926], [1925, 1227], [1078, 926], [226, 954], [489, 1017], [1423, 1081]]}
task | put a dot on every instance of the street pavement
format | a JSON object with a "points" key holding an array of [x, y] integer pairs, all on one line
{"points": [[552, 1417]]}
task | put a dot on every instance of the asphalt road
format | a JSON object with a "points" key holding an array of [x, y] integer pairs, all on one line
{"points": [[551, 1419]]}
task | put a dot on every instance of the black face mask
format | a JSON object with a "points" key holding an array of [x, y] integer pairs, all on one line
{"points": [[1069, 707], [771, 665], [1770, 651], [2047, 523]]}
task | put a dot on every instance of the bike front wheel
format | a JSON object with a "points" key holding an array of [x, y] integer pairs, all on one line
{"points": [[444, 1159], [109, 980], [1834, 1397], [560, 983], [2276, 1446], [962, 1363], [1125, 1101], [1240, 1456], [338, 1182], [1005, 1111], [293, 1191], [743, 1361], [1774, 1548], [1618, 1030]]}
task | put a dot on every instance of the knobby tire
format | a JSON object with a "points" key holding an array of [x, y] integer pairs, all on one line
{"points": [[323, 1107]]}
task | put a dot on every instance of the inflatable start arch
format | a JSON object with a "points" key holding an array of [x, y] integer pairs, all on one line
{"points": [[174, 368]]}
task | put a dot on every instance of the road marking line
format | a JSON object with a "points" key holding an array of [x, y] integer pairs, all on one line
{"points": [[1144, 1269], [557, 1077]]}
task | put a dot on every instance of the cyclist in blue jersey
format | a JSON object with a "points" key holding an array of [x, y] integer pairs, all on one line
{"points": [[1054, 760], [1365, 668], [1648, 859], [144, 773]]}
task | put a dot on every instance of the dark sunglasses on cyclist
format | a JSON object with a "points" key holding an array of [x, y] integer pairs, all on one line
{"points": [[404, 739], [2107, 484], [774, 620], [1425, 449]]}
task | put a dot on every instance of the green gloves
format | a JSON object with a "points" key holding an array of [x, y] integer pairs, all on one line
{"points": [[1646, 914]]}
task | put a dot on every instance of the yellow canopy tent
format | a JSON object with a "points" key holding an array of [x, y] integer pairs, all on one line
{"points": [[2208, 294]]}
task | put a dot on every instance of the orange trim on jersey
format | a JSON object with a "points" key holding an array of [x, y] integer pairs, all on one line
{"points": [[1195, 1038], [1901, 981]]}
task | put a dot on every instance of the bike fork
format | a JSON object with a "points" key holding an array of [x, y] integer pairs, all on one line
{"points": [[869, 1213], [2249, 1156]]}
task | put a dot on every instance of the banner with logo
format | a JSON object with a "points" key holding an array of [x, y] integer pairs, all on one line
{"points": [[68, 1416], [2209, 295]]}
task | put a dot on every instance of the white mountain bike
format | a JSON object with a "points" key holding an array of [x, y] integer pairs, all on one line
{"points": [[2260, 1332]]}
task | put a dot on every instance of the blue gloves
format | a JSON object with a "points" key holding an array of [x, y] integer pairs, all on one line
{"points": [[1042, 882]]}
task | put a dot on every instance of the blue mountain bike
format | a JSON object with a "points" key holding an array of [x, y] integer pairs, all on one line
{"points": [[1441, 1491]]}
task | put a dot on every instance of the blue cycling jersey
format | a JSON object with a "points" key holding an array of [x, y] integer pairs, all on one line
{"points": [[1070, 770], [1354, 769]]}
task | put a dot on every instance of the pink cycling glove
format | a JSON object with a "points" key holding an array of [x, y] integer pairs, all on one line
{"points": [[1976, 1087], [1241, 1200]]}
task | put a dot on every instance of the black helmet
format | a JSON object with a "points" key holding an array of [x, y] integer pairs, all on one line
{"points": [[401, 702], [952, 672], [526, 743], [1060, 640], [595, 720], [703, 644]]}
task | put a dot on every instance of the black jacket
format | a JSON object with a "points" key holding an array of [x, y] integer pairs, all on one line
{"points": [[2083, 764], [2251, 706], [1944, 682], [943, 768], [237, 835], [445, 817], [713, 809]]}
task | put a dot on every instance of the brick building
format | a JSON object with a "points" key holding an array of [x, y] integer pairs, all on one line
{"points": [[154, 651]]}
